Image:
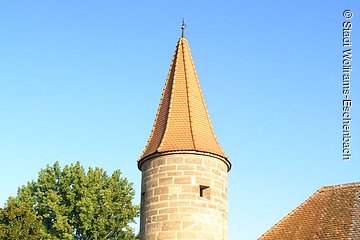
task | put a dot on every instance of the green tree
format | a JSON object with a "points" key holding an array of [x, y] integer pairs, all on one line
{"points": [[71, 203]]}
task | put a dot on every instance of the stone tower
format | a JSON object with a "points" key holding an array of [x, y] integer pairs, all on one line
{"points": [[184, 189]]}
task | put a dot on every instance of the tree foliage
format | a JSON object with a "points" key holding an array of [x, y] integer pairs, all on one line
{"points": [[71, 203]]}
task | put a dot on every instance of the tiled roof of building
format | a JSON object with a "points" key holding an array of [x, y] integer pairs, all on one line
{"points": [[331, 213], [182, 122]]}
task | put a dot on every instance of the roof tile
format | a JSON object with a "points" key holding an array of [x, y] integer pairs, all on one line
{"points": [[182, 122], [331, 213]]}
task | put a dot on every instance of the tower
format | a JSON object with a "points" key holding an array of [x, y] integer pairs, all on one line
{"points": [[184, 170]]}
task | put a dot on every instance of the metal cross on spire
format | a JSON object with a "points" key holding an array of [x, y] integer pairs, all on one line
{"points": [[183, 25]]}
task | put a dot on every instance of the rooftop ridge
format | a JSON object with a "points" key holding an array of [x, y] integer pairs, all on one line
{"points": [[339, 186], [172, 72], [187, 90], [204, 103]]}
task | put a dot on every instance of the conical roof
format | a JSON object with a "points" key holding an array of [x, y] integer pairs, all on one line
{"points": [[182, 122]]}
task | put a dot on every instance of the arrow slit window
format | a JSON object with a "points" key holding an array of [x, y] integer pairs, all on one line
{"points": [[205, 192]]}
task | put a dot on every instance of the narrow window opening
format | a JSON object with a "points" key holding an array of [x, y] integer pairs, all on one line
{"points": [[142, 201], [142, 198], [205, 192]]}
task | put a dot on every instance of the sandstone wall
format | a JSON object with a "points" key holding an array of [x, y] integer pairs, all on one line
{"points": [[184, 196]]}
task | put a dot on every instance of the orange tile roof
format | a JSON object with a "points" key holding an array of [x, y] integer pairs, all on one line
{"points": [[182, 122], [332, 213]]}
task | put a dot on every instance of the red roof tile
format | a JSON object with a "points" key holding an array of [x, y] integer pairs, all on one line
{"points": [[333, 213], [182, 122]]}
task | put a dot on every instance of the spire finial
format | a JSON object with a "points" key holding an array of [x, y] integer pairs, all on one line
{"points": [[183, 25]]}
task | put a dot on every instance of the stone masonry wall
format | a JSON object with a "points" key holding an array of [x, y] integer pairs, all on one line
{"points": [[184, 196]]}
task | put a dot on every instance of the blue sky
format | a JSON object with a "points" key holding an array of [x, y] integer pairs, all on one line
{"points": [[81, 81]]}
